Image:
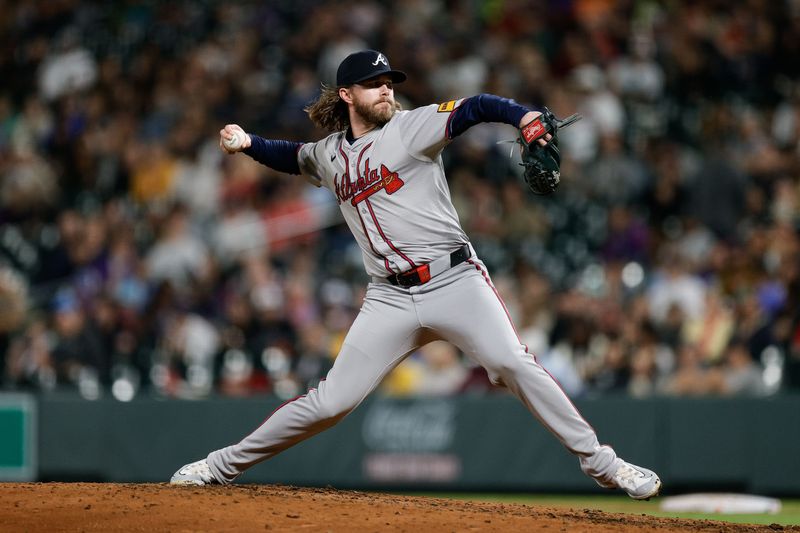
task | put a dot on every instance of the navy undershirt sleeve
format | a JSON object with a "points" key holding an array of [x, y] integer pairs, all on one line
{"points": [[280, 155], [484, 108]]}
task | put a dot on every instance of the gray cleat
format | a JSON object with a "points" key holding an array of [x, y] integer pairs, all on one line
{"points": [[197, 473], [640, 483]]}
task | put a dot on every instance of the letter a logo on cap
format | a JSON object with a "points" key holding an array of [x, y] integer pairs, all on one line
{"points": [[380, 59]]}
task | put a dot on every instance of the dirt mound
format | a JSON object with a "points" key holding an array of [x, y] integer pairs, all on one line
{"points": [[112, 507]]}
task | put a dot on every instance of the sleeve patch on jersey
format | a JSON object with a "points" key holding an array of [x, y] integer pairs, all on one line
{"points": [[446, 107]]}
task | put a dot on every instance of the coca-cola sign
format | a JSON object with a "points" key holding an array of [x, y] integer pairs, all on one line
{"points": [[423, 426]]}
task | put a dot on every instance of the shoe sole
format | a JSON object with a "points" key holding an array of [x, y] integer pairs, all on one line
{"points": [[193, 482]]}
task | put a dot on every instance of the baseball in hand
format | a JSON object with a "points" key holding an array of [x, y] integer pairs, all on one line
{"points": [[235, 142]]}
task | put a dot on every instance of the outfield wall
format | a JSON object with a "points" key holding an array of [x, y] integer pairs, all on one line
{"points": [[469, 443]]}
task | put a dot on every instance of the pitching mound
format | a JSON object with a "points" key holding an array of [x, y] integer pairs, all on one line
{"points": [[160, 507]]}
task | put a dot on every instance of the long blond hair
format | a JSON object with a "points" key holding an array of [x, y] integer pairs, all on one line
{"points": [[330, 112]]}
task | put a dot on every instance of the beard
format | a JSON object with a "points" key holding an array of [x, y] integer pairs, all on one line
{"points": [[373, 114]]}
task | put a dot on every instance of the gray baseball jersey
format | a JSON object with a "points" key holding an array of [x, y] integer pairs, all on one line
{"points": [[392, 190]]}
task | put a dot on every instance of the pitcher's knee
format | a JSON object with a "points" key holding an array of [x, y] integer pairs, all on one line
{"points": [[505, 370], [508, 366], [333, 410]]}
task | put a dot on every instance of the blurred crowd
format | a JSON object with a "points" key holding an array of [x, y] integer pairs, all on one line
{"points": [[135, 257]]}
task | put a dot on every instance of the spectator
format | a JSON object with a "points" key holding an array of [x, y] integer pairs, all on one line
{"points": [[189, 346], [643, 373], [675, 284], [613, 373], [314, 360], [711, 332], [443, 373], [691, 377], [69, 68], [29, 362], [78, 353], [178, 257], [739, 374]]}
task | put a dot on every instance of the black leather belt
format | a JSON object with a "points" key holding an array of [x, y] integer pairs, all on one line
{"points": [[424, 273]]}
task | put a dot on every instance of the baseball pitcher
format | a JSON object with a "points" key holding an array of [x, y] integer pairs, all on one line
{"points": [[385, 168]]}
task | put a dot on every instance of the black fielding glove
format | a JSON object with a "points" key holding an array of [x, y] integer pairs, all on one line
{"points": [[542, 163]]}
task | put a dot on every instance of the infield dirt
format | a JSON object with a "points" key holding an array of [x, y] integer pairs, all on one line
{"points": [[110, 507]]}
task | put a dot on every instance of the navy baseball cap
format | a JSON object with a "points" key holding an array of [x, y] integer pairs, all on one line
{"points": [[364, 65]]}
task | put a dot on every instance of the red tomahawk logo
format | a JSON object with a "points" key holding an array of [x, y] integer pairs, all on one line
{"points": [[389, 181]]}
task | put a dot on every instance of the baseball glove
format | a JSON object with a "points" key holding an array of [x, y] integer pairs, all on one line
{"points": [[542, 163]]}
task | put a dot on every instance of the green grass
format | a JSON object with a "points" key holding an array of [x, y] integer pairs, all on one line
{"points": [[789, 515]]}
